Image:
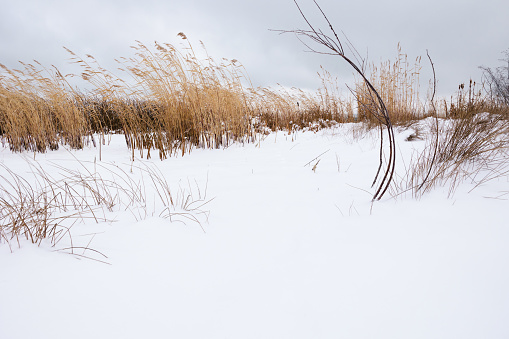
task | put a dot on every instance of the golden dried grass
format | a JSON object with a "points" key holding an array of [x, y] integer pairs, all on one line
{"points": [[172, 102], [398, 85], [36, 111]]}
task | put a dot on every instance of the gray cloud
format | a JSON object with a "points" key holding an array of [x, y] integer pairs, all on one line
{"points": [[460, 35]]}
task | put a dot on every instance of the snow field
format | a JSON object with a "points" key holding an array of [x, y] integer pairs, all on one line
{"points": [[287, 252]]}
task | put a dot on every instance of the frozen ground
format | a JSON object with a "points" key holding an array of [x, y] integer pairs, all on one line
{"points": [[286, 252]]}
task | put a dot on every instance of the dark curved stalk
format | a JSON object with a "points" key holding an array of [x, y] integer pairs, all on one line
{"points": [[381, 156], [436, 120]]}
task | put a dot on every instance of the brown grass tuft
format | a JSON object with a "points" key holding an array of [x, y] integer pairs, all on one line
{"points": [[398, 85]]}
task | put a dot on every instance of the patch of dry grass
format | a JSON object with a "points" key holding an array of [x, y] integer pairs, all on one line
{"points": [[397, 83], [36, 110], [470, 147], [45, 206], [172, 102]]}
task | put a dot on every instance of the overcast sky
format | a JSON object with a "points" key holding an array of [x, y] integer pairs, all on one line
{"points": [[460, 35]]}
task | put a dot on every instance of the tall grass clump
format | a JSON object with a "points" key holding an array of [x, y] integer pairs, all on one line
{"points": [[397, 82], [37, 110], [172, 101], [193, 102], [471, 147]]}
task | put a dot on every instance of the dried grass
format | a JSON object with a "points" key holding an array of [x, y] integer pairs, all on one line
{"points": [[471, 147], [47, 206], [172, 102], [397, 83]]}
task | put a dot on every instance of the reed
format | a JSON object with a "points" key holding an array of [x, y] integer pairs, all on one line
{"points": [[397, 82], [167, 100], [36, 110], [472, 99]]}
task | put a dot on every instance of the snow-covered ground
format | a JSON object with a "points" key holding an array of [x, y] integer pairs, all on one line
{"points": [[280, 250]]}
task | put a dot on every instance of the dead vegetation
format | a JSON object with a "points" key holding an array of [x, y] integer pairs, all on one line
{"points": [[397, 83], [172, 102], [50, 202]]}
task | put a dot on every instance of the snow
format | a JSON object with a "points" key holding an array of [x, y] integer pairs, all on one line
{"points": [[280, 250]]}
